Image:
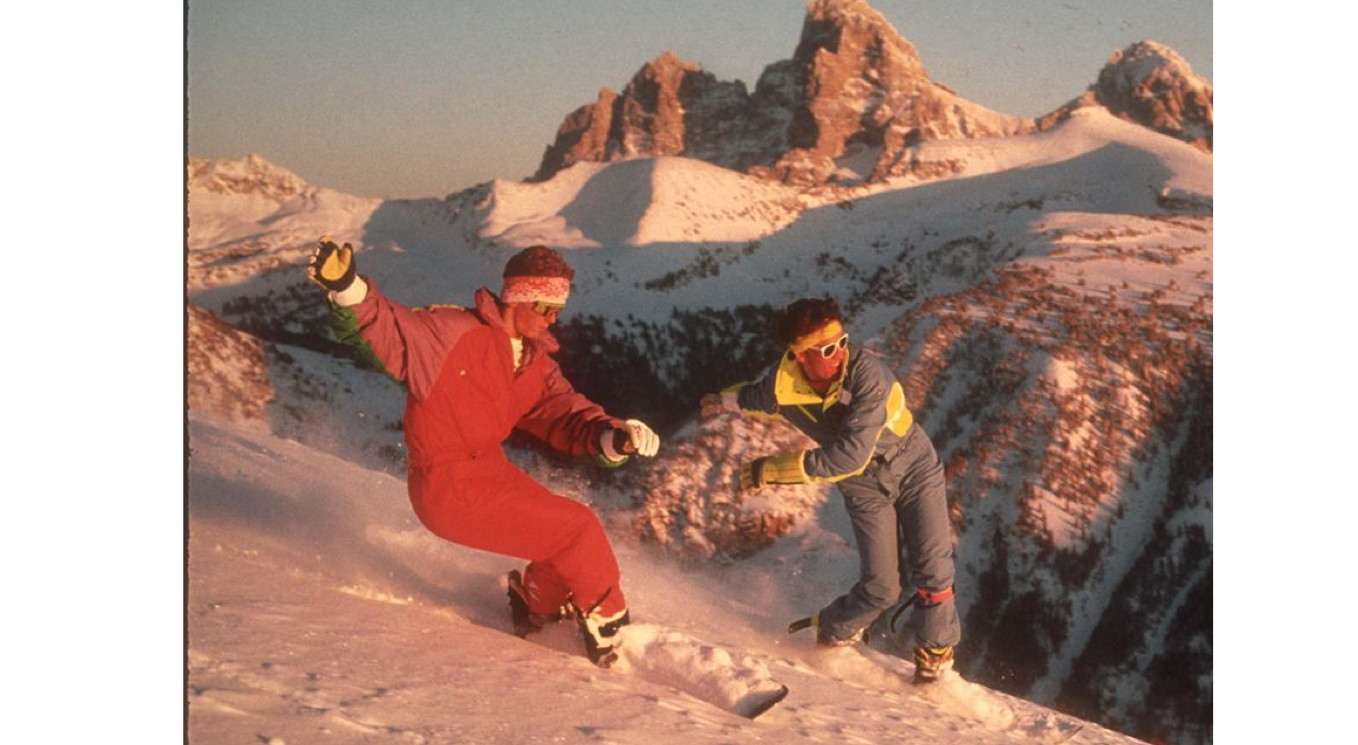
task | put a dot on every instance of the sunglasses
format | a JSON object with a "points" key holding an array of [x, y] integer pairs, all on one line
{"points": [[550, 310], [829, 350]]}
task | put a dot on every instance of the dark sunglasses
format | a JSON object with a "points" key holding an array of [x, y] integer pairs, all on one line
{"points": [[828, 350], [551, 310]]}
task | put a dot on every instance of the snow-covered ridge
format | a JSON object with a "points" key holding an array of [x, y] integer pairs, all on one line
{"points": [[645, 201]]}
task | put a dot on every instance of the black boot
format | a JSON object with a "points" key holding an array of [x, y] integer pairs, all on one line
{"points": [[525, 620]]}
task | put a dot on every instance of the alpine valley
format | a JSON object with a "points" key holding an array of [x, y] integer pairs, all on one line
{"points": [[1042, 287]]}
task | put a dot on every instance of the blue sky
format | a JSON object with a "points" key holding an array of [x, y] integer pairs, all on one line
{"points": [[420, 98]]}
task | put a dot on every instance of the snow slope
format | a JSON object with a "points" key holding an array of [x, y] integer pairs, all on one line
{"points": [[320, 611]]}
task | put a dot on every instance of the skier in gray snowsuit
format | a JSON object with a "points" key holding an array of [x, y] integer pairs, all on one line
{"points": [[853, 407]]}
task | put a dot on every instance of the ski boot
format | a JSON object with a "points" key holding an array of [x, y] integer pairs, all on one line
{"points": [[525, 620], [601, 635], [931, 663]]}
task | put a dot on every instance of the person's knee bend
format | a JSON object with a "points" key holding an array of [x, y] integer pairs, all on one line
{"points": [[582, 519]]}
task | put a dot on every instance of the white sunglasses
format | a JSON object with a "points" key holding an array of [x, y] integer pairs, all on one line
{"points": [[828, 350]]}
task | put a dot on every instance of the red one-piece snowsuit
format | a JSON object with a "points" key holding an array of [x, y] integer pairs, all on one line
{"points": [[463, 398]]}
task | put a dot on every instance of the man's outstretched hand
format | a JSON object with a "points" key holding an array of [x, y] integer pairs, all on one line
{"points": [[332, 267]]}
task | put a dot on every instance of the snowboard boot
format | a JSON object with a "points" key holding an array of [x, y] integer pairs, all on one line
{"points": [[601, 635], [931, 663], [525, 620], [825, 640]]}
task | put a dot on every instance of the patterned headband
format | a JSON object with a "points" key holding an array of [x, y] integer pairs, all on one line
{"points": [[526, 289]]}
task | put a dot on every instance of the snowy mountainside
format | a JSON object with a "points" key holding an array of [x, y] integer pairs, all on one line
{"points": [[1048, 305], [1075, 425], [249, 215], [319, 609]]}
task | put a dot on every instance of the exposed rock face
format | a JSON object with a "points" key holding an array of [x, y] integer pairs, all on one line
{"points": [[226, 369], [583, 136], [862, 82], [672, 107], [852, 79], [1151, 85]]}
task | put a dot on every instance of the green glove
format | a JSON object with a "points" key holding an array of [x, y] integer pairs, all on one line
{"points": [[332, 267]]}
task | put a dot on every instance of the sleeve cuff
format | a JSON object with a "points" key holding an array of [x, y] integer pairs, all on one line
{"points": [[606, 447], [352, 295], [730, 401]]}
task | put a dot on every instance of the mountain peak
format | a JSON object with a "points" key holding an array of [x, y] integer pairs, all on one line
{"points": [[863, 83], [668, 60], [1152, 85], [1145, 58], [251, 174], [831, 23]]}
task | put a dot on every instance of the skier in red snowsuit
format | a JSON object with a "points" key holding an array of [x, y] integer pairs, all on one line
{"points": [[472, 376]]}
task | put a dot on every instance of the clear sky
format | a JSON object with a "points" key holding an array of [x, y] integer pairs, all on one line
{"points": [[420, 98]]}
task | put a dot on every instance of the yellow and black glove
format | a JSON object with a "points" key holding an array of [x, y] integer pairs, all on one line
{"points": [[785, 468], [332, 267], [752, 476]]}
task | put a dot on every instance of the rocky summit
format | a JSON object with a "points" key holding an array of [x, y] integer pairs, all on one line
{"points": [[1150, 84]]}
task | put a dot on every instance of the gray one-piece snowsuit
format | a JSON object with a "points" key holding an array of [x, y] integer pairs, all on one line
{"points": [[892, 483]]}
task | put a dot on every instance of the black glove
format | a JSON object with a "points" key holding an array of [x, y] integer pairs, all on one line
{"points": [[332, 267]]}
